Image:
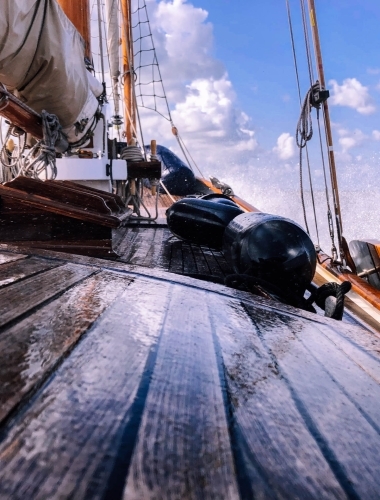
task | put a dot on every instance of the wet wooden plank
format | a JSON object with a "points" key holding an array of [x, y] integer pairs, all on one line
{"points": [[80, 428], [127, 244], [202, 264], [163, 259], [337, 416], [189, 262], [355, 370], [20, 269], [143, 247], [213, 265], [10, 257], [183, 449], [176, 257], [34, 291], [275, 453], [225, 268], [31, 349], [154, 251]]}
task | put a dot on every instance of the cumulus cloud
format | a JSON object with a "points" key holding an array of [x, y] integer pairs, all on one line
{"points": [[352, 94], [373, 71], [350, 139], [376, 135], [203, 101], [285, 146]]}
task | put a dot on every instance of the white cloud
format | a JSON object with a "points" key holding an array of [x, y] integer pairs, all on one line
{"points": [[350, 139], [352, 94], [285, 146], [202, 98], [373, 71], [376, 135]]}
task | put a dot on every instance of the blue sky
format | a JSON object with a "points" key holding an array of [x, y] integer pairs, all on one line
{"points": [[252, 39], [229, 73]]}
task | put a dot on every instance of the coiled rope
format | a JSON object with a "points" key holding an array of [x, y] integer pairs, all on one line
{"points": [[304, 133], [131, 153]]}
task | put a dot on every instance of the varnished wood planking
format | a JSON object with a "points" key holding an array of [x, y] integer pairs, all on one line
{"points": [[183, 448], [348, 440], [189, 262], [176, 257], [21, 297], [20, 269], [273, 441], [30, 349], [213, 265], [151, 247], [126, 246], [10, 257], [163, 259], [354, 371], [67, 443], [275, 452], [142, 246]]}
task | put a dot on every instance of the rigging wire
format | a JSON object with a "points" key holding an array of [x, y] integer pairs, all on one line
{"points": [[329, 213], [311, 75], [307, 42], [306, 148], [304, 126]]}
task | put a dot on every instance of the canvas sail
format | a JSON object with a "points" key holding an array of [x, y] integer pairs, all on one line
{"points": [[113, 46], [42, 62]]}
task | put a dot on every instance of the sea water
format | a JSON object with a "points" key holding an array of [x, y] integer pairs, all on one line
{"points": [[360, 209]]}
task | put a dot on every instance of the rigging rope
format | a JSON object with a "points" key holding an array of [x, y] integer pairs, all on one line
{"points": [[304, 130], [304, 133], [306, 148], [42, 155]]}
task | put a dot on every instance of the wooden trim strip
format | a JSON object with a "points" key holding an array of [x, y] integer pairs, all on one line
{"points": [[62, 194], [46, 205]]}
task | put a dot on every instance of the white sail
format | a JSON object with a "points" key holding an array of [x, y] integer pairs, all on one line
{"points": [[42, 62], [113, 44]]}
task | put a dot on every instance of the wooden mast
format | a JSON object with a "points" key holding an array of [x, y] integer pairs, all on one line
{"points": [[127, 52], [326, 114], [78, 11]]}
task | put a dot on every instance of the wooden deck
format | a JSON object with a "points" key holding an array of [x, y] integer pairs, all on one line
{"points": [[124, 380]]}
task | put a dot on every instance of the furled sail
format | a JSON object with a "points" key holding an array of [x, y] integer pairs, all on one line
{"points": [[42, 62], [113, 44]]}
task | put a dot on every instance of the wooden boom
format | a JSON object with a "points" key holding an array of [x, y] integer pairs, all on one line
{"points": [[19, 114]]}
